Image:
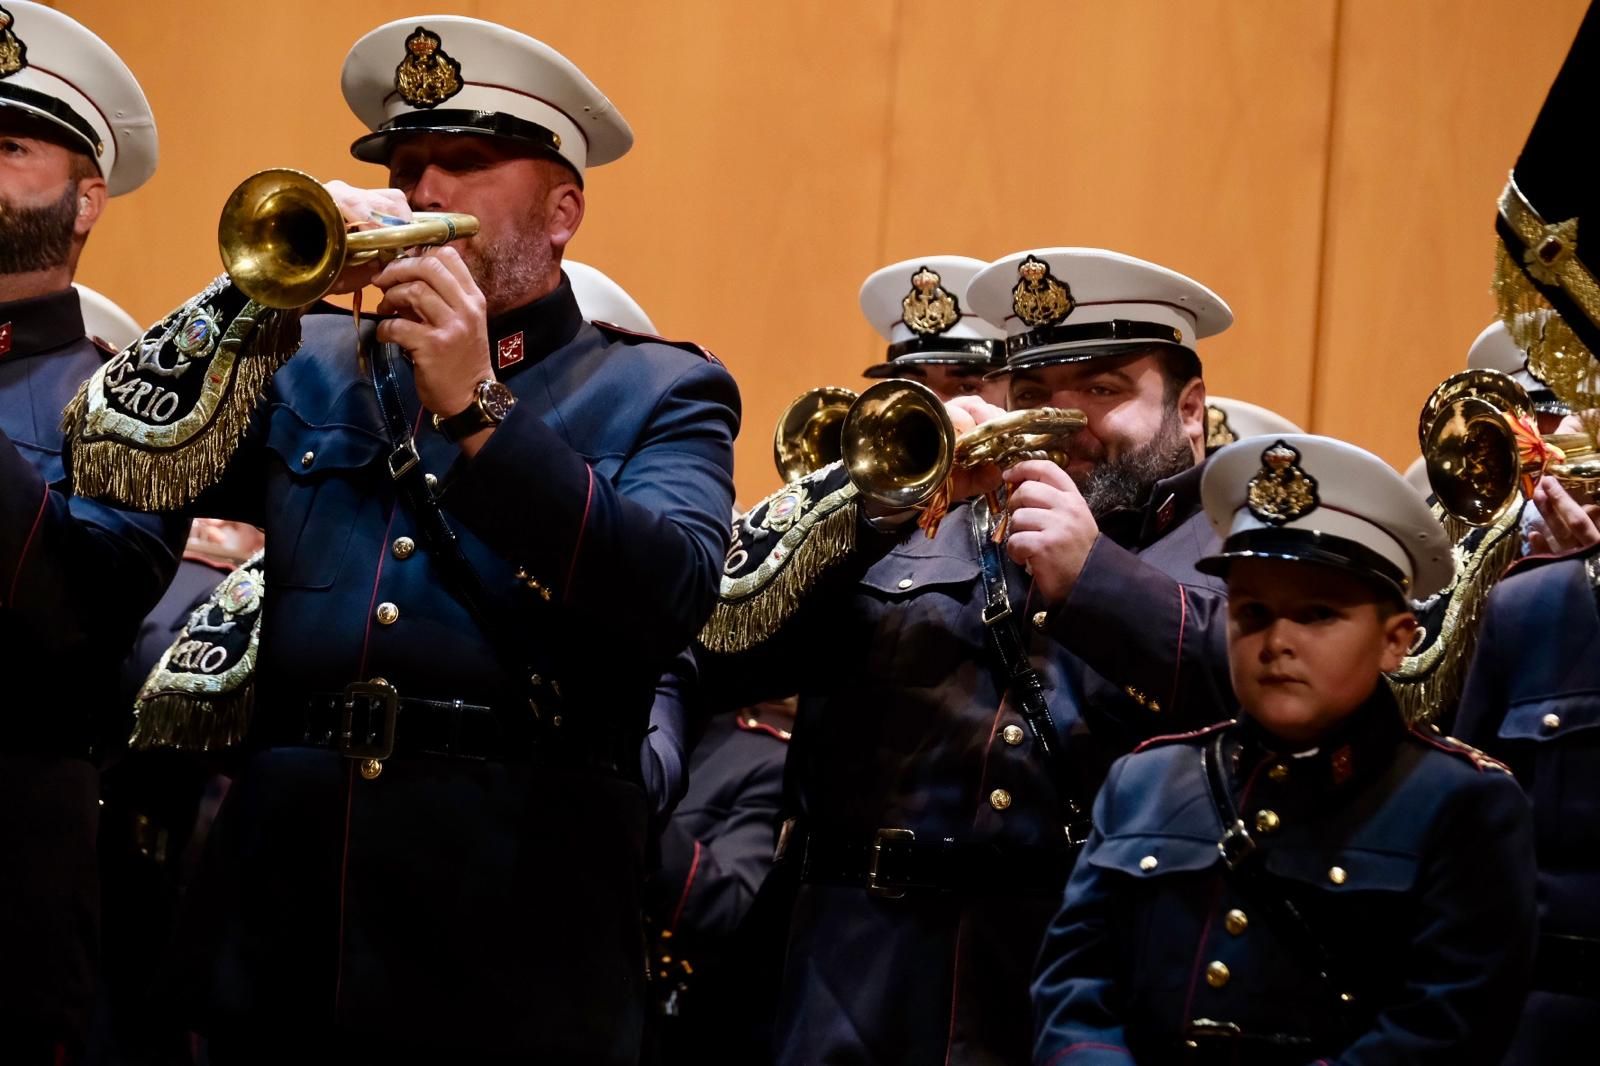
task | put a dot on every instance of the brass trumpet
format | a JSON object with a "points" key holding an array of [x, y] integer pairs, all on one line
{"points": [[807, 437], [898, 446], [1483, 453], [284, 241]]}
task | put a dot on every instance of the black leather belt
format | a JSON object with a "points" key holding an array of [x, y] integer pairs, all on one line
{"points": [[1569, 965], [895, 862], [1226, 1044], [372, 721]]}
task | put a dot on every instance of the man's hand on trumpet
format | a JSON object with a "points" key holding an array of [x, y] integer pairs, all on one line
{"points": [[1562, 523], [968, 413], [1051, 527], [440, 315]]}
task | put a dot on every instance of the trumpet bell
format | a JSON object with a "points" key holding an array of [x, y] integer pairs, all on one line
{"points": [[807, 437], [1469, 444], [282, 238], [897, 443]]}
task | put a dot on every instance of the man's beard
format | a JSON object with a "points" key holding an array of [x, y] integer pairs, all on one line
{"points": [[508, 266], [1124, 483], [37, 238]]}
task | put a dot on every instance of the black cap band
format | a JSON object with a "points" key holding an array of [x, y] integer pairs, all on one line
{"points": [[980, 349], [1306, 546], [54, 108], [373, 147], [1117, 329]]}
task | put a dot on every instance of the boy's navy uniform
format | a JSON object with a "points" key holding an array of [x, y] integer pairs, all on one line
{"points": [[1367, 900]]}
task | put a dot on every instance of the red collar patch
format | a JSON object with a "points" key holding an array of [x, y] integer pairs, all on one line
{"points": [[5, 339], [510, 351]]}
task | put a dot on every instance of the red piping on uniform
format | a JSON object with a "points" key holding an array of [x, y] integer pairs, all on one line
{"points": [[22, 556], [344, 867], [572, 567], [383, 553], [694, 868], [1177, 665], [1073, 1048], [994, 726], [955, 992]]}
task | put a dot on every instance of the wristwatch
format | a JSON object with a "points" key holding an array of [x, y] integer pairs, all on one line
{"points": [[491, 402]]}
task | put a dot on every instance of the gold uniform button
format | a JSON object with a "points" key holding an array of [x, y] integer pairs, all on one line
{"points": [[906, 582], [1012, 734], [387, 613], [1551, 721], [403, 547], [1148, 863], [1040, 618], [1267, 821], [999, 799], [1279, 772], [371, 768], [1235, 922], [1338, 876], [431, 481], [307, 459], [1217, 974]]}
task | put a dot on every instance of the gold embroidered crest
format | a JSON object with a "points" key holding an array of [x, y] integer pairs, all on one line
{"points": [[1038, 298], [929, 308], [1281, 491], [13, 53], [786, 509], [1218, 433], [427, 76]]}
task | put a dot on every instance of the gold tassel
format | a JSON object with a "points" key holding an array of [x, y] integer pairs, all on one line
{"points": [[188, 722], [738, 625], [1428, 686], [119, 470]]}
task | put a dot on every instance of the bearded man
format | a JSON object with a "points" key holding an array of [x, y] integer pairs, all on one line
{"points": [[958, 708], [487, 535]]}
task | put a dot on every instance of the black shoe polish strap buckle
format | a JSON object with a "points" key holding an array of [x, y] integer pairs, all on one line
{"points": [[880, 869], [367, 720]]}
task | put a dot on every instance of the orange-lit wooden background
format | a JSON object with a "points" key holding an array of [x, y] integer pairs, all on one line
{"points": [[1329, 166]]}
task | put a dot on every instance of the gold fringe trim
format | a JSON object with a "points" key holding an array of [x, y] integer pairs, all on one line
{"points": [[119, 470], [193, 723], [738, 625], [1428, 686]]}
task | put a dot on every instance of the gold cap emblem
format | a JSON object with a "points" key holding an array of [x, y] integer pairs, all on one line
{"points": [[1281, 491], [929, 308], [1038, 298], [13, 53], [1218, 433], [427, 76]]}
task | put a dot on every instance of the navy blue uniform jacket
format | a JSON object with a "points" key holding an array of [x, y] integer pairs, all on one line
{"points": [[1408, 857], [474, 906], [75, 579]]}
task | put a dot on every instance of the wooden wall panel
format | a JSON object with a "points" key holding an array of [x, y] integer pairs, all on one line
{"points": [[1189, 134], [1434, 99]]}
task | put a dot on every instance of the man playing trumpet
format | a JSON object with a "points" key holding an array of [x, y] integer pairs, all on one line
{"points": [[957, 712], [490, 524]]}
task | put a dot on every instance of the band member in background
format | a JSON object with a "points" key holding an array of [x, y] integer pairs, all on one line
{"points": [[435, 841], [933, 797], [1315, 881], [75, 576]]}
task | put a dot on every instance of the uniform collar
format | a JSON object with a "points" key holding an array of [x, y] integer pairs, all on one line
{"points": [[1358, 748], [40, 324], [525, 335], [1169, 502]]}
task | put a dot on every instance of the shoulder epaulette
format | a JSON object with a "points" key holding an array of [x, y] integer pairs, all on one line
{"points": [[155, 426], [1460, 749], [778, 550], [1178, 738], [200, 695], [631, 336]]}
